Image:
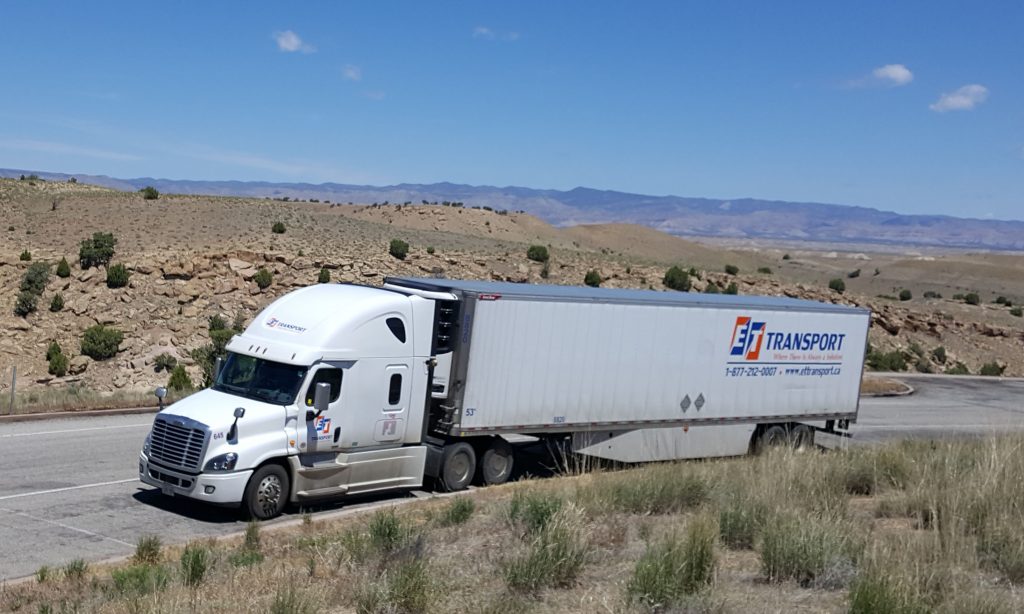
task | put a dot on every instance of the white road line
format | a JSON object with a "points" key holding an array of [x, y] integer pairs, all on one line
{"points": [[91, 428], [68, 527], [65, 489]]}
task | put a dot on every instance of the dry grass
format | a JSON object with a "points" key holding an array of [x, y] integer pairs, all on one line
{"points": [[909, 527], [881, 386]]}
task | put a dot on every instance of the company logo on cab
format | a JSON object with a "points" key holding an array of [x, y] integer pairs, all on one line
{"points": [[746, 338]]}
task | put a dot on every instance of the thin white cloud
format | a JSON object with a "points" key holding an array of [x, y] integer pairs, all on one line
{"points": [[890, 75], [352, 72], [488, 34], [374, 94], [49, 147], [893, 74], [290, 42], [963, 99]]}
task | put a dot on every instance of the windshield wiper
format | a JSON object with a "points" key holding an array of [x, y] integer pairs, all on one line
{"points": [[231, 388]]}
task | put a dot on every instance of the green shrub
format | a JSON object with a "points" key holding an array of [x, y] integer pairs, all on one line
{"points": [[216, 322], [278, 228], [289, 600], [905, 295], [139, 580], [837, 284], [245, 558], [263, 278], [53, 349], [405, 586], [739, 521], [939, 354], [538, 253], [25, 256], [712, 288], [765, 269], [75, 570], [972, 298], [732, 269], [58, 365], [149, 193], [932, 294], [532, 509], [592, 278], [958, 369], [36, 278], [677, 279], [387, 532], [57, 302], [672, 569], [220, 339], [785, 256], [811, 551], [430, 249], [662, 489], [457, 512], [147, 550], [117, 276], [732, 288], [25, 303], [886, 361], [100, 342], [164, 362], [179, 380], [195, 562], [324, 277], [1017, 311], [992, 369], [554, 556], [43, 574], [878, 591], [98, 250], [853, 274], [398, 248], [1000, 300]]}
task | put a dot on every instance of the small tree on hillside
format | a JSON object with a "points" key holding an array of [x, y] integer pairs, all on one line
{"points": [[398, 248], [100, 342], [278, 228], [538, 253], [117, 276], [838, 285], [677, 279], [263, 278], [149, 193], [324, 277], [592, 278], [63, 268], [98, 250], [732, 269]]}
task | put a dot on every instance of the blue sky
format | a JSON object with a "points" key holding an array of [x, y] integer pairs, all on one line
{"points": [[916, 107]]}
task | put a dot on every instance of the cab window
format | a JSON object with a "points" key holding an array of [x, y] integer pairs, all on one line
{"points": [[325, 376]]}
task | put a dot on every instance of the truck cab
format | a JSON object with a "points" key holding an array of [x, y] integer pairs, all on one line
{"points": [[257, 436]]}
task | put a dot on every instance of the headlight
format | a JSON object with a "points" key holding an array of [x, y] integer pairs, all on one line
{"points": [[145, 446], [224, 462]]}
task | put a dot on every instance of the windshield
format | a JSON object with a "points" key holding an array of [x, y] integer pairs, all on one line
{"points": [[259, 379]]}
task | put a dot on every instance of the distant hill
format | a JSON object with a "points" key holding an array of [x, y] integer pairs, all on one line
{"points": [[682, 216]]}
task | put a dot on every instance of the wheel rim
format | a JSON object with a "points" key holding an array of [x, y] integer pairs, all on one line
{"points": [[458, 469], [497, 465], [268, 494]]}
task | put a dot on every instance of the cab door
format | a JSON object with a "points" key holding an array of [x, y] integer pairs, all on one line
{"points": [[394, 411], [322, 433]]}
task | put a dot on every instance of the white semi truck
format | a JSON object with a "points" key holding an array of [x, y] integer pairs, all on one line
{"points": [[339, 389]]}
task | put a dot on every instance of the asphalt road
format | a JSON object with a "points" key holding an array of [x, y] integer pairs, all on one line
{"points": [[69, 487]]}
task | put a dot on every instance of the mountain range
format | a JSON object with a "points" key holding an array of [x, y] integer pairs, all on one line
{"points": [[743, 218]]}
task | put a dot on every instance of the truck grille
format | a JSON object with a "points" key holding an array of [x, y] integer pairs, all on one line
{"points": [[177, 443]]}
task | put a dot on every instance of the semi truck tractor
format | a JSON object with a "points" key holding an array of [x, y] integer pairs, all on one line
{"points": [[342, 389]]}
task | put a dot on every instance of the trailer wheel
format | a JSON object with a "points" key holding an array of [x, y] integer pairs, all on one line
{"points": [[803, 437], [495, 465], [458, 465], [774, 436], [266, 494]]}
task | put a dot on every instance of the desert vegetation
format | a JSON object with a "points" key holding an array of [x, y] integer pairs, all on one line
{"points": [[918, 526]]}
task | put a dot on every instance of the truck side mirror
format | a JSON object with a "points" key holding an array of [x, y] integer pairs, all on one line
{"points": [[321, 397]]}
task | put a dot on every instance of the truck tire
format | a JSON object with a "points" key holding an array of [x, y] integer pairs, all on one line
{"points": [[458, 465], [266, 494], [495, 465], [803, 437], [773, 436]]}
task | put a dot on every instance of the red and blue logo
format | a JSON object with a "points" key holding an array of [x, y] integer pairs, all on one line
{"points": [[747, 336]]}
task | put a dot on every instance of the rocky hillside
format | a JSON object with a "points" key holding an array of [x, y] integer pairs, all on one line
{"points": [[193, 258]]}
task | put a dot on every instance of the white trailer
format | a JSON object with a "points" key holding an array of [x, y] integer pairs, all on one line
{"points": [[339, 389]]}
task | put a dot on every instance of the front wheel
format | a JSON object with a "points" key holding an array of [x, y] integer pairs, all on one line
{"points": [[266, 494]]}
